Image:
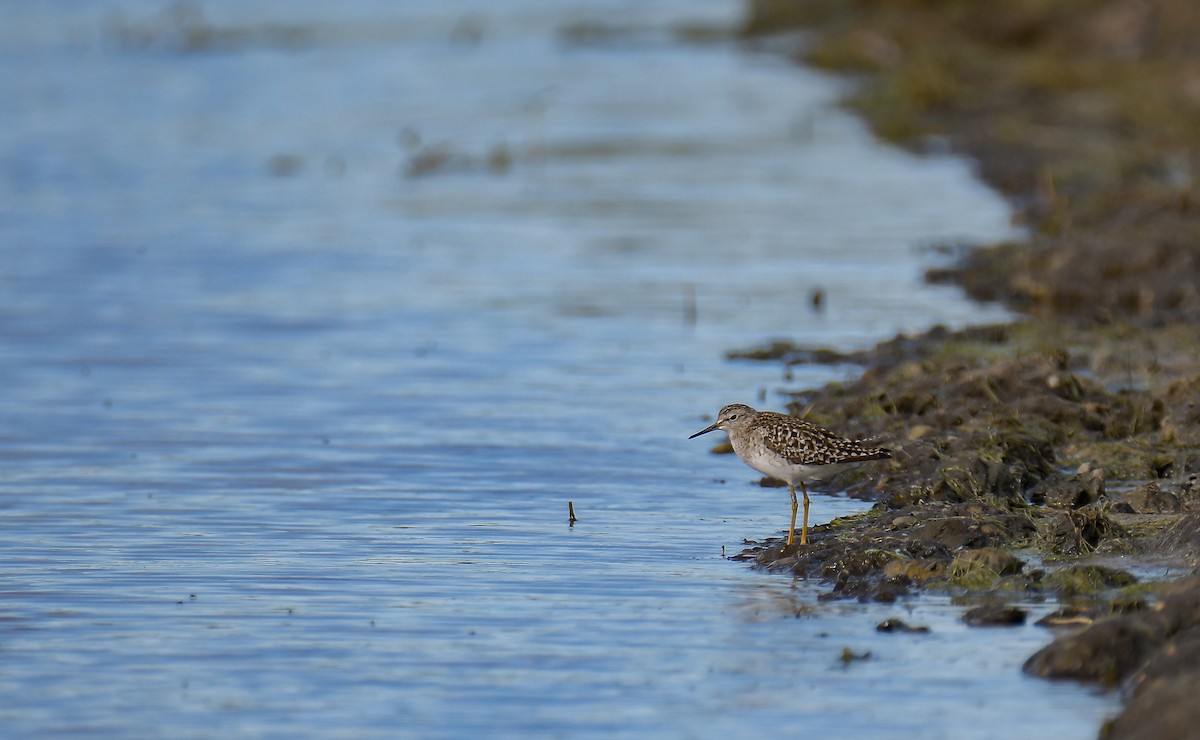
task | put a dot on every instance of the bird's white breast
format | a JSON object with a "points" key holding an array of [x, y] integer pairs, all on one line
{"points": [[757, 455]]}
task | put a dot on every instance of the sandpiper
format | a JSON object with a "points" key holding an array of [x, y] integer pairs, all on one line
{"points": [[789, 449]]}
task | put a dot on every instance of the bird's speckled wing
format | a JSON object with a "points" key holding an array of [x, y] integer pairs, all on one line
{"points": [[805, 443]]}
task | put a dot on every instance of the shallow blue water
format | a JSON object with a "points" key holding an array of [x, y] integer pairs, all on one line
{"points": [[313, 320]]}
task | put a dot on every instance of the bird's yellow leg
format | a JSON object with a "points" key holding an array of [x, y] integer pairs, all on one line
{"points": [[804, 530], [792, 526]]}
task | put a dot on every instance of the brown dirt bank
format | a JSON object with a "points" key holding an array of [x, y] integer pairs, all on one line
{"points": [[1044, 456], [1085, 112]]}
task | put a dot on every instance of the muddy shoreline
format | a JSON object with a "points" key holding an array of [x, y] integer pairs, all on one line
{"points": [[1058, 455]]}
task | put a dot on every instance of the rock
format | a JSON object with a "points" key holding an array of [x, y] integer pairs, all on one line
{"points": [[927, 550], [1183, 536], [1168, 711], [995, 559], [1179, 604], [1180, 658], [851, 562], [1078, 532], [954, 532], [993, 615], [1150, 498], [1088, 579], [1061, 492], [1112, 648], [972, 530], [1189, 491], [885, 593], [914, 570], [1104, 652], [1067, 616], [958, 480], [899, 625], [1162, 694]]}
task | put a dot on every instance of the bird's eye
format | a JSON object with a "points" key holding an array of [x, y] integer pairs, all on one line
{"points": [[733, 417]]}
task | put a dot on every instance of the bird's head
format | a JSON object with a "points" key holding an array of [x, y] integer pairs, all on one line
{"points": [[729, 418]]}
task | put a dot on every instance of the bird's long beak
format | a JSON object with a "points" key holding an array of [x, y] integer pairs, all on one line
{"points": [[705, 430]]}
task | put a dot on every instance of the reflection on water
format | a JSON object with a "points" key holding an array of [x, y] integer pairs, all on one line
{"points": [[314, 319]]}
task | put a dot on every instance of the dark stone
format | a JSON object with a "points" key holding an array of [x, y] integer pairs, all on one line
{"points": [[1062, 492], [913, 570], [1150, 498], [927, 550], [856, 563], [1180, 658], [888, 593], [1179, 604], [1166, 711], [1088, 579], [995, 615], [1104, 652], [899, 625], [1183, 536], [1163, 691], [950, 532], [1067, 616], [996, 559], [958, 480], [1079, 532], [1189, 491]]}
